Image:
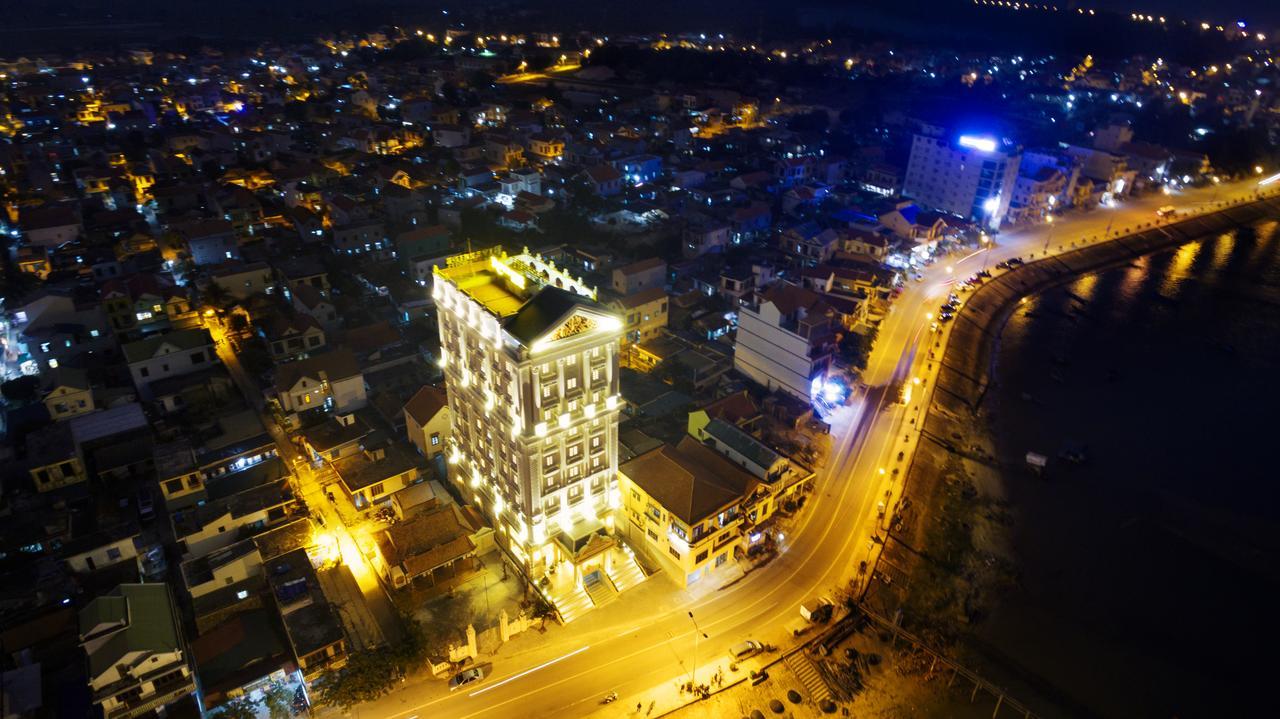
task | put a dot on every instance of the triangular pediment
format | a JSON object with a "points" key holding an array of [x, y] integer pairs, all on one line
{"points": [[578, 322]]}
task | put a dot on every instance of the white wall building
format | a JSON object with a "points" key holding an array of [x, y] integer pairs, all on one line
{"points": [[785, 339], [168, 355], [971, 176]]}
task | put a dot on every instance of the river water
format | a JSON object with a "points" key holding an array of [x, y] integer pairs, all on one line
{"points": [[1148, 572]]}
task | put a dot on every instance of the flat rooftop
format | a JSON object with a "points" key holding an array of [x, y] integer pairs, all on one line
{"points": [[502, 284], [491, 290]]}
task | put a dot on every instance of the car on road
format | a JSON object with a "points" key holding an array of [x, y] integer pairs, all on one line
{"points": [[945, 317], [985, 274], [1014, 261], [742, 650], [465, 677], [1166, 211]]}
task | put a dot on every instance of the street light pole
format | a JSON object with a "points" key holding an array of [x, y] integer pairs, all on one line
{"points": [[1048, 236], [696, 632]]}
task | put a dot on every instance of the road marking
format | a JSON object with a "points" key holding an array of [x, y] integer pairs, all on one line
{"points": [[530, 670]]}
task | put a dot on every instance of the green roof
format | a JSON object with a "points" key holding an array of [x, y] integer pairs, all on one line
{"points": [[149, 623]]}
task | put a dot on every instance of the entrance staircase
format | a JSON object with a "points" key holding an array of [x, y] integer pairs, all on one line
{"points": [[600, 589], [573, 604], [625, 572]]}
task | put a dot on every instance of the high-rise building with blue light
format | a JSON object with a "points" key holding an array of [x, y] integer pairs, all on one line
{"points": [[969, 175]]}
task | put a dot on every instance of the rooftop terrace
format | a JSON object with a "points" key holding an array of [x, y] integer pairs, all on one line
{"points": [[503, 283]]}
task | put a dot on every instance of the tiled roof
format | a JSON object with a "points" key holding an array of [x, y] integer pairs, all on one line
{"points": [[689, 480], [425, 404], [332, 366]]}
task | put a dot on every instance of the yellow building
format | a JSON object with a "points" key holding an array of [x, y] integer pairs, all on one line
{"points": [[54, 463], [682, 506]]}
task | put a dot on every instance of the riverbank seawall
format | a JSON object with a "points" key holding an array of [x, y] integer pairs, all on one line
{"points": [[966, 366]]}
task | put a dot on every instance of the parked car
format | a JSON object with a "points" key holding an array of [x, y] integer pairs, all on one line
{"points": [[465, 677], [742, 650], [146, 505]]}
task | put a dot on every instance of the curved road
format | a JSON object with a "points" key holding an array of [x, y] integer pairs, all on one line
{"points": [[643, 649]]}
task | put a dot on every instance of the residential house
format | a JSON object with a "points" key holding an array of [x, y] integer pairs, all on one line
{"points": [[703, 234], [422, 545], [137, 659], [738, 409], [781, 480], [1035, 194], [330, 381], [291, 337], [445, 135], [428, 421], [66, 392], [360, 238], [52, 460], [865, 242], [546, 147], [909, 221], [518, 220], [426, 241], [792, 171], [50, 226], [206, 528], [210, 242], [640, 169], [242, 281], [240, 657], [644, 314], [604, 180], [168, 355], [314, 303], [303, 270], [640, 275], [231, 565], [372, 476], [146, 302], [681, 505], [809, 244]]}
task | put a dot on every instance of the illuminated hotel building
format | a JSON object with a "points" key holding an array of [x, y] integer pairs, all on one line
{"points": [[971, 176], [531, 369]]}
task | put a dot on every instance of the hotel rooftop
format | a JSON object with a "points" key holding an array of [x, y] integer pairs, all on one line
{"points": [[502, 284]]}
